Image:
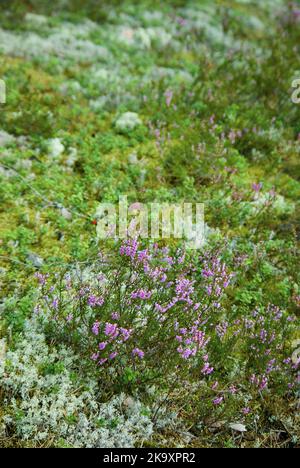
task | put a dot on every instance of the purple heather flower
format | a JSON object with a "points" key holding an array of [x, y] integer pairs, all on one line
{"points": [[264, 383], [218, 400], [169, 96], [141, 294], [207, 273], [207, 370], [95, 328], [94, 301], [115, 316], [138, 352], [143, 255], [125, 333], [221, 329], [186, 353], [181, 21], [184, 288], [129, 248], [163, 278], [41, 278], [113, 355], [257, 187], [111, 330], [102, 361]]}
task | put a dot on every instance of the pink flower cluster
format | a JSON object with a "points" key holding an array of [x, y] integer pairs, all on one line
{"points": [[191, 341], [166, 310], [113, 336], [259, 381], [219, 279], [95, 301], [141, 294]]}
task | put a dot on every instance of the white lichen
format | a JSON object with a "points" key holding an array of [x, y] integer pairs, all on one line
{"points": [[45, 400], [55, 147], [6, 139], [127, 122]]}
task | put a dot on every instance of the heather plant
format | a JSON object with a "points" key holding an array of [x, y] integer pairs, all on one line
{"points": [[142, 315]]}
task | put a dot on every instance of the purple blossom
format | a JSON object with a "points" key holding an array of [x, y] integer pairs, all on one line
{"points": [[113, 355], [102, 361], [95, 356], [41, 278], [94, 301], [111, 330], [169, 96], [125, 333], [207, 369], [263, 383], [141, 294], [138, 352], [185, 353], [95, 328], [129, 248], [217, 401], [102, 345], [207, 273], [257, 187], [221, 329]]}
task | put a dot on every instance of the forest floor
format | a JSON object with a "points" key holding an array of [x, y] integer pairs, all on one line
{"points": [[162, 102]]}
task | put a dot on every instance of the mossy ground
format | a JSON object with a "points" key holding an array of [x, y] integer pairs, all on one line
{"points": [[183, 151]]}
